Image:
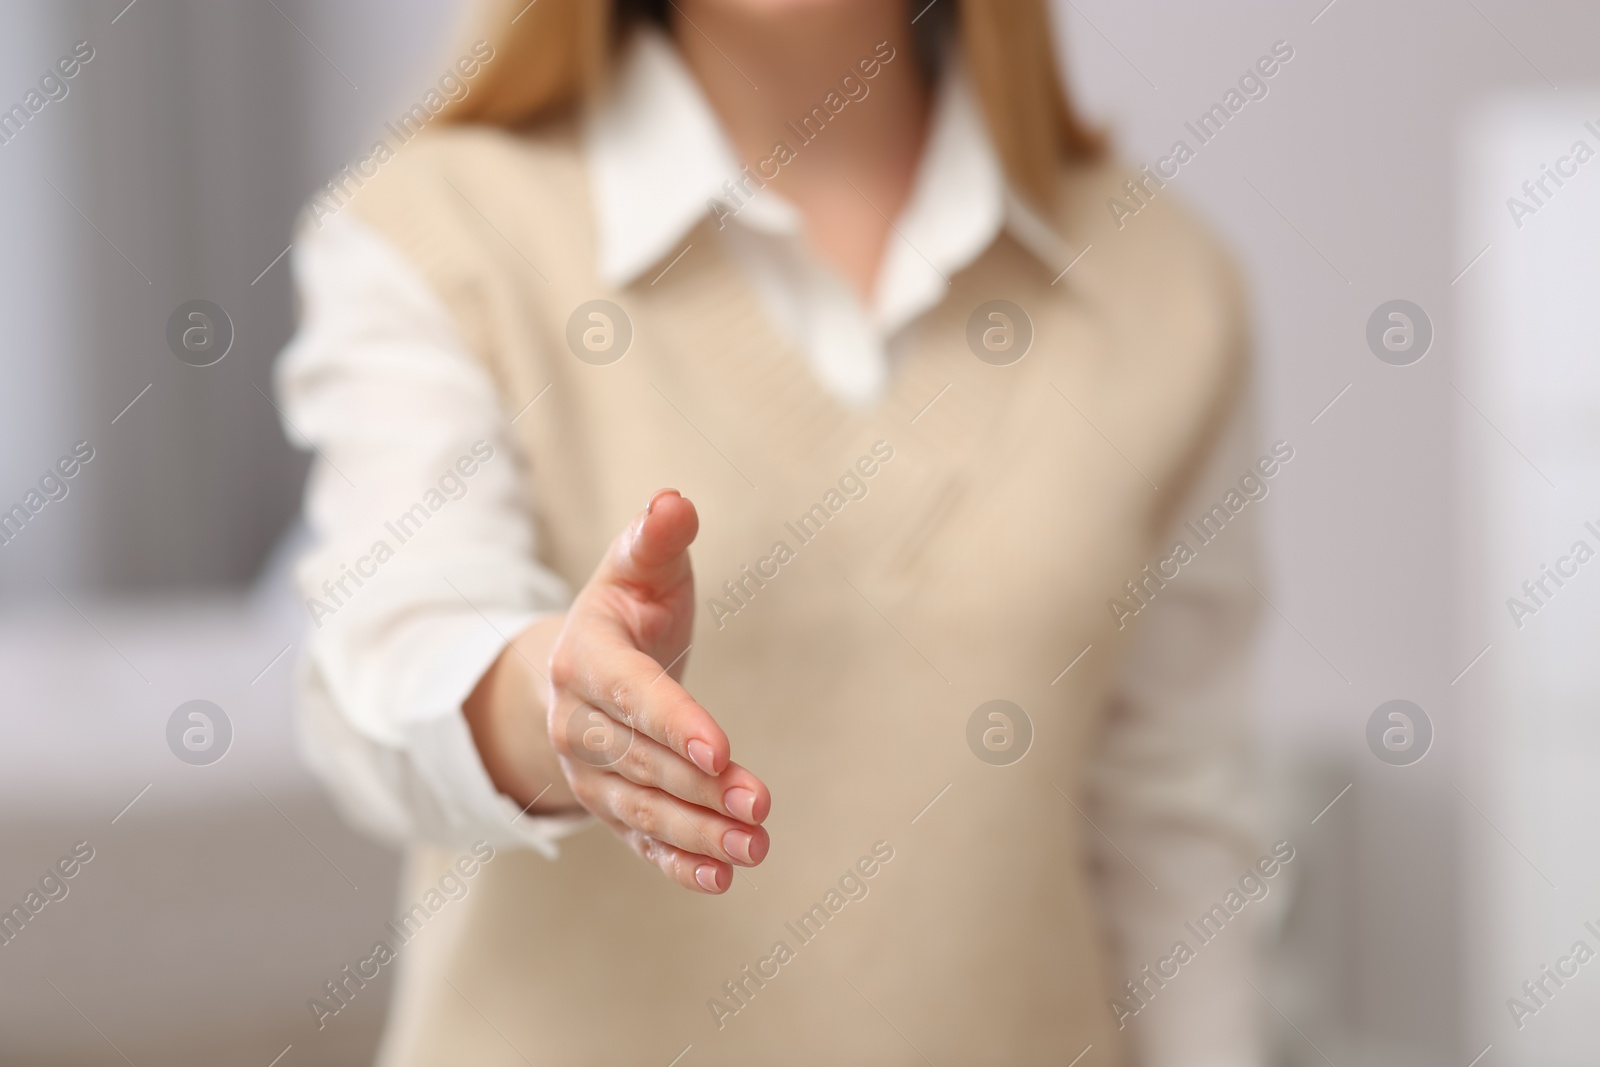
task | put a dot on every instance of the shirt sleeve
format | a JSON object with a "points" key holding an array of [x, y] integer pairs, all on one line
{"points": [[1174, 788], [423, 564]]}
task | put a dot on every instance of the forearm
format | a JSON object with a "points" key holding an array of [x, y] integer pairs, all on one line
{"points": [[507, 715]]}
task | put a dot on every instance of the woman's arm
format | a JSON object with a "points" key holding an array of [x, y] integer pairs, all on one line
{"points": [[422, 563], [426, 694], [1174, 787]]}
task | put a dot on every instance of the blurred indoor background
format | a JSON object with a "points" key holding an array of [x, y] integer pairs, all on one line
{"points": [[1377, 167]]}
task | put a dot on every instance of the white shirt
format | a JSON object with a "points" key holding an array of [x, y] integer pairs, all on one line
{"points": [[381, 384]]}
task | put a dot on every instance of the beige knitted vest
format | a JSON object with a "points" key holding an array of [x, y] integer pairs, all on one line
{"points": [[978, 564]]}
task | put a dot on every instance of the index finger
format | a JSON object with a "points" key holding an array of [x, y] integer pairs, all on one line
{"points": [[635, 690]]}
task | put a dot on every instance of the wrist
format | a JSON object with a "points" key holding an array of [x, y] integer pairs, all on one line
{"points": [[506, 714]]}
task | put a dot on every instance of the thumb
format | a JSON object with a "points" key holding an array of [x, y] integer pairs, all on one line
{"points": [[651, 556]]}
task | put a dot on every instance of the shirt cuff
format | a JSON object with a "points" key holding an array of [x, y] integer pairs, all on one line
{"points": [[446, 758]]}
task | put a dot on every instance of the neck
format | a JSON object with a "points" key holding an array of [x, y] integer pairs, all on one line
{"points": [[765, 71]]}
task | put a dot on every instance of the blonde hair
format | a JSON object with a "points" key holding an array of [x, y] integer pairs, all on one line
{"points": [[551, 54]]}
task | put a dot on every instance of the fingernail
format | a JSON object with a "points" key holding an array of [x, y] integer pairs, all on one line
{"points": [[740, 803], [737, 844], [706, 875], [701, 754], [651, 507]]}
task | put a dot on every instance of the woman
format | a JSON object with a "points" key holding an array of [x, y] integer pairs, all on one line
{"points": [[843, 275]]}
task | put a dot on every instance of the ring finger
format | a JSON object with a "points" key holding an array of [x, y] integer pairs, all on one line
{"points": [[675, 822]]}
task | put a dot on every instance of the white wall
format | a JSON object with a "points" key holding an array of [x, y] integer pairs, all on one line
{"points": [[44, 312], [1342, 189], [1533, 482]]}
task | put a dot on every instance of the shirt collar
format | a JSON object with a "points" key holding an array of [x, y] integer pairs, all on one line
{"points": [[657, 157]]}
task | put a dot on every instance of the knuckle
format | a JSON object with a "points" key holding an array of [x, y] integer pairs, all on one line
{"points": [[626, 696], [673, 866], [635, 762], [643, 816], [678, 721], [666, 859]]}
